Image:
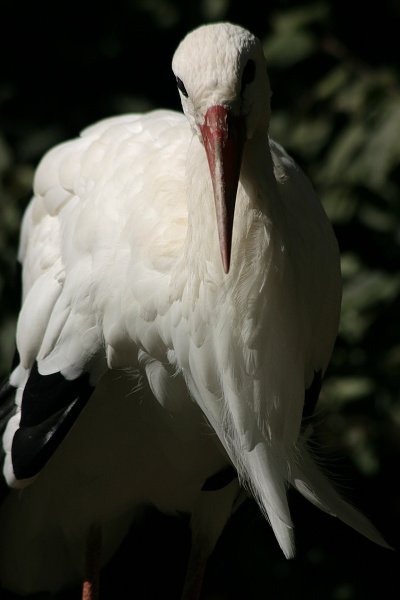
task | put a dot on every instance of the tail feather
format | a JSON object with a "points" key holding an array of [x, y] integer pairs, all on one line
{"points": [[268, 480], [307, 478], [264, 473]]}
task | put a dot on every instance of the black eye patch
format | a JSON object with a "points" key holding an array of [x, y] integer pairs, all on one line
{"points": [[249, 72], [181, 87]]}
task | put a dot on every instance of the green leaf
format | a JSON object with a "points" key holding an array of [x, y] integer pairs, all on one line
{"points": [[289, 49]]}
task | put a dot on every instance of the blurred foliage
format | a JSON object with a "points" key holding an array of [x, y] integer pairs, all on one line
{"points": [[334, 69], [344, 128]]}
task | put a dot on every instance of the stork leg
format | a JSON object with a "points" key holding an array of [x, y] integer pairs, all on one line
{"points": [[195, 570], [90, 588]]}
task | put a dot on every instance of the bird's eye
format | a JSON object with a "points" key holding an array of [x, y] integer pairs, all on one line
{"points": [[249, 73], [181, 87]]}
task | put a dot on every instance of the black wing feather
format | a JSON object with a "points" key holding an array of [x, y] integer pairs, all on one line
{"points": [[7, 410], [50, 406]]}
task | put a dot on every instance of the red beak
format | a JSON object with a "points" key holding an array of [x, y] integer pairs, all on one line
{"points": [[223, 138]]}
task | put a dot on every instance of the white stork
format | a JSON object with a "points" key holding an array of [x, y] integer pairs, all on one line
{"points": [[181, 294]]}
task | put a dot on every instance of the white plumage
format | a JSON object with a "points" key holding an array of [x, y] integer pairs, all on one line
{"points": [[193, 366]]}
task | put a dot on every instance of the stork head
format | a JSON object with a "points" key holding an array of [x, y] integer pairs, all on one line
{"points": [[222, 79]]}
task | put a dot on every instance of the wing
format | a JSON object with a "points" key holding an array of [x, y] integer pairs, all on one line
{"points": [[305, 293], [43, 403], [76, 254]]}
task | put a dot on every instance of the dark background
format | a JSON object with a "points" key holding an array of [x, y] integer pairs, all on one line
{"points": [[334, 69]]}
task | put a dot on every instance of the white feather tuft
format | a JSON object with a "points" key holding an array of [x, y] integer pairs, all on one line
{"points": [[307, 478]]}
